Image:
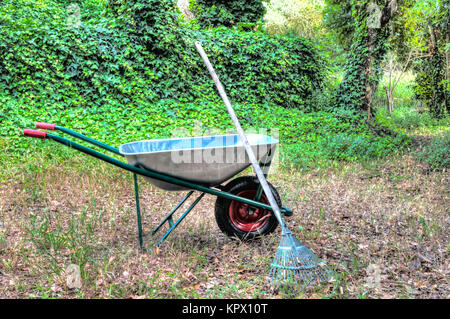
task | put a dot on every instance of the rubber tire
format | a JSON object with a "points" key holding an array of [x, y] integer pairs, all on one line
{"points": [[222, 207]]}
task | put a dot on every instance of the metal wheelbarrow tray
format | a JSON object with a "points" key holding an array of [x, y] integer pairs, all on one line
{"points": [[206, 160], [196, 164]]}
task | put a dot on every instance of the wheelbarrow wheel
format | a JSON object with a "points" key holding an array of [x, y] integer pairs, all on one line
{"points": [[236, 219]]}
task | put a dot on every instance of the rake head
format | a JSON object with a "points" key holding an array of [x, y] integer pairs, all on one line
{"points": [[294, 263]]}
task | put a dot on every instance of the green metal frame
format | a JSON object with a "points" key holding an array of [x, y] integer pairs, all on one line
{"points": [[168, 218], [88, 139], [156, 175], [265, 168]]}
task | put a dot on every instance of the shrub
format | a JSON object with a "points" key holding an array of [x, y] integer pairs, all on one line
{"points": [[437, 154], [307, 139], [347, 147], [407, 118], [353, 147], [258, 68]]}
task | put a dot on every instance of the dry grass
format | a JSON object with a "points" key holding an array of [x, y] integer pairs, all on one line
{"points": [[383, 226]]}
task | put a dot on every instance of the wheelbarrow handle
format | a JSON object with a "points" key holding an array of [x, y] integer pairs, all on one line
{"points": [[54, 127], [45, 126], [34, 133]]}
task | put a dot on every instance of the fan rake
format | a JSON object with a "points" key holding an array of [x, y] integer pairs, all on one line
{"points": [[294, 262]]}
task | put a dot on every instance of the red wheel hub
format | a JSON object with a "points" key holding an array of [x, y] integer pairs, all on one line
{"points": [[241, 214]]}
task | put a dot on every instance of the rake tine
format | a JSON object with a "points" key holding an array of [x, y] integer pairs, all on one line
{"points": [[295, 263]]}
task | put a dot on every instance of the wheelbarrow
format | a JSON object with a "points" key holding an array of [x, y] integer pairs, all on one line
{"points": [[201, 164]]}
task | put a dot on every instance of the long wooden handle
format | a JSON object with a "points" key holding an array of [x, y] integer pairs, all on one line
{"points": [[241, 133]]}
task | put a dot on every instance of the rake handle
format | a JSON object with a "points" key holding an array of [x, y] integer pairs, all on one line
{"points": [[251, 155]]}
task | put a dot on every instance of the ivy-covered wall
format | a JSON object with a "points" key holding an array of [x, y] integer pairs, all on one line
{"points": [[137, 52]]}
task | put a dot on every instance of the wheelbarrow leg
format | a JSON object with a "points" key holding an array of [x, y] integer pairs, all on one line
{"points": [[169, 217], [138, 210], [181, 218]]}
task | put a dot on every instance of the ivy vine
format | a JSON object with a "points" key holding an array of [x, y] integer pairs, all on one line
{"points": [[227, 13], [362, 69]]}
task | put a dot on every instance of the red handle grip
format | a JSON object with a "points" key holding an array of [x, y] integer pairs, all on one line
{"points": [[45, 126], [34, 133]]}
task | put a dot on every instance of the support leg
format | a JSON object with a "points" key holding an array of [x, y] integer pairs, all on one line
{"points": [[181, 218], [138, 210], [169, 217]]}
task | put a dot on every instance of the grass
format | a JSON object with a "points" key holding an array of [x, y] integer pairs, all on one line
{"points": [[381, 224]]}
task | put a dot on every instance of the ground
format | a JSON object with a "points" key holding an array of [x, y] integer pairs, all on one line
{"points": [[381, 225]]}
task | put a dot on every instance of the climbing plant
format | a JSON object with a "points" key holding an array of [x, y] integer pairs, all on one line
{"points": [[430, 85], [338, 18], [226, 12], [427, 29], [137, 51], [369, 44]]}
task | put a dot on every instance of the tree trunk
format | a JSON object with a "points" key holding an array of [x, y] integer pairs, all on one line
{"points": [[447, 75], [363, 70], [447, 58], [389, 106], [376, 26]]}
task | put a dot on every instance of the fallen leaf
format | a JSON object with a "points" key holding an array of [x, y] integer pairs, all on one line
{"points": [[419, 284]]}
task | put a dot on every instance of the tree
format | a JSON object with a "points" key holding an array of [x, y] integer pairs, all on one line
{"points": [[338, 18], [305, 19], [370, 25], [429, 32], [395, 71], [301, 17], [421, 36]]}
